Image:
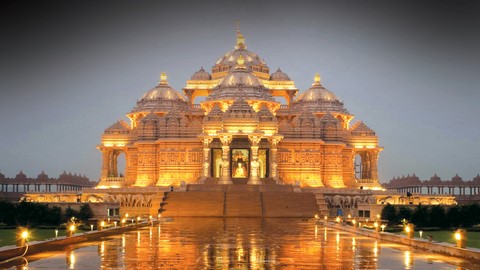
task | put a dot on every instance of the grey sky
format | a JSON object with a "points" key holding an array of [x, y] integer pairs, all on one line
{"points": [[408, 69]]}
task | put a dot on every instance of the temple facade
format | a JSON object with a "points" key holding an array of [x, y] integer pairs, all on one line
{"points": [[248, 126]]}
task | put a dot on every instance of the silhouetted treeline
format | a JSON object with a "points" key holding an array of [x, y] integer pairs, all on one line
{"points": [[464, 216], [33, 214]]}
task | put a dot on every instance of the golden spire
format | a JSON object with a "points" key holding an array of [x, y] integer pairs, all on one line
{"points": [[317, 78], [163, 77], [240, 38]]}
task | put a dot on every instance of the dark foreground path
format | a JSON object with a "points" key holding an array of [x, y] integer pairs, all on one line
{"points": [[241, 243]]}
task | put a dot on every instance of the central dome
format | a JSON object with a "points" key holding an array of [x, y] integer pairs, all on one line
{"points": [[240, 82], [240, 76], [228, 61], [251, 59]]}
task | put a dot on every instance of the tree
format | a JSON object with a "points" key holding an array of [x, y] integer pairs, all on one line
{"points": [[389, 212], [469, 215], [55, 216], [69, 213], [454, 217], [7, 212], [85, 212], [404, 213], [420, 216], [438, 217]]}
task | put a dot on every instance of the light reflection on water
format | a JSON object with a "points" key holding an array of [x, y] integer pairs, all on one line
{"points": [[249, 243]]}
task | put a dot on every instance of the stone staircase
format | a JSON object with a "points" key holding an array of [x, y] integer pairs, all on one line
{"points": [[322, 205], [289, 204], [210, 200], [194, 204], [243, 204]]}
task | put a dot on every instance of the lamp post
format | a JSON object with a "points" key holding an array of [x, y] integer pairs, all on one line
{"points": [[22, 236], [70, 229], [461, 238], [376, 226], [409, 229]]}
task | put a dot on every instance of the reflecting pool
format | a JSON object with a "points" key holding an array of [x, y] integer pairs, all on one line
{"points": [[248, 243]]}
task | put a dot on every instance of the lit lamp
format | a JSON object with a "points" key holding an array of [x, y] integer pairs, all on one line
{"points": [[354, 222], [123, 222], [138, 220], [22, 236], [337, 219], [101, 225], [115, 224], [409, 229], [383, 226], [316, 216], [70, 229], [461, 238], [375, 225], [420, 233], [326, 218]]}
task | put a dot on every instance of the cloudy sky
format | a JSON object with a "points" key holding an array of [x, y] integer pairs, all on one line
{"points": [[409, 69]]}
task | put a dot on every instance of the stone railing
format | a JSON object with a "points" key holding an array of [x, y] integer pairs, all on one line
{"points": [[113, 179], [365, 181]]}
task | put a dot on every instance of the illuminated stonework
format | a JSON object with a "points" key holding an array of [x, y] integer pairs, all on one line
{"points": [[240, 131]]}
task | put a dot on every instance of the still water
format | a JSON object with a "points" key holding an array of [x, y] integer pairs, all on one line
{"points": [[248, 243]]}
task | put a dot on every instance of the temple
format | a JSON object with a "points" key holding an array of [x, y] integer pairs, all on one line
{"points": [[240, 142], [240, 124]]}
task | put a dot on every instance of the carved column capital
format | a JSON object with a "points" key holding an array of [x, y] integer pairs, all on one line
{"points": [[225, 138], [275, 140], [255, 138]]}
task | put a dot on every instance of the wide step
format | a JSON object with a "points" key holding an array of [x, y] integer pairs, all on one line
{"points": [[289, 204], [243, 204], [194, 204]]}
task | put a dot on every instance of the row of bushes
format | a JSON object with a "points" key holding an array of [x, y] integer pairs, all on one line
{"points": [[35, 214], [433, 216]]}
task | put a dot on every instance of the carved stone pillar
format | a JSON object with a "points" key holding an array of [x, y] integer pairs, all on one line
{"points": [[254, 164], [225, 173], [274, 140], [373, 164], [114, 169], [206, 158], [105, 162]]}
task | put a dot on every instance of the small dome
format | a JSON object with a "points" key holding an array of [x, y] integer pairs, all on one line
{"points": [[279, 75], [317, 92], [162, 91], [201, 75]]}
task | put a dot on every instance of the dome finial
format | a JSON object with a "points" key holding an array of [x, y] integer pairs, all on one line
{"points": [[240, 38], [317, 78], [163, 77]]}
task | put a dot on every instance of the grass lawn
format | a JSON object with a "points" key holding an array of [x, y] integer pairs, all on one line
{"points": [[7, 236], [448, 237]]}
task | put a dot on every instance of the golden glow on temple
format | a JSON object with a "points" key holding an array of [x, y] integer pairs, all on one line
{"points": [[240, 131]]}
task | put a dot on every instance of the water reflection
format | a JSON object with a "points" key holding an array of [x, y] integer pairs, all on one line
{"points": [[200, 243]]}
